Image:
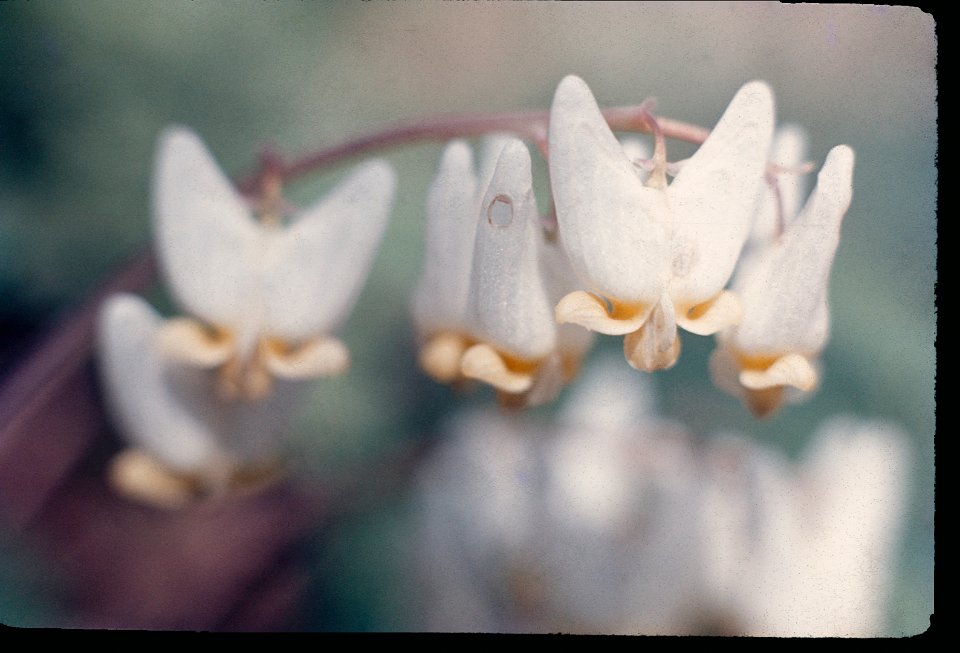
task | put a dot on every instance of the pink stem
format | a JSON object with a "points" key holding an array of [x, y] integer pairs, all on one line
{"points": [[530, 125]]}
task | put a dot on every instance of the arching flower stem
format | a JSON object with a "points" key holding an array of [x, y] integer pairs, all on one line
{"points": [[529, 125]]}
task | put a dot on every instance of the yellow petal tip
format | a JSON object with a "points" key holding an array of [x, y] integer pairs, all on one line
{"points": [[484, 363], [791, 370], [193, 343], [323, 356], [590, 312], [707, 318], [440, 356], [137, 476]]}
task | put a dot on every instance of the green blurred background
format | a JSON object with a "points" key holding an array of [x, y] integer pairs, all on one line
{"points": [[86, 87]]}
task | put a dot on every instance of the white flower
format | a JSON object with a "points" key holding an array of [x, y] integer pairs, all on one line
{"points": [[186, 439], [618, 554], [476, 511], [580, 527], [268, 296], [563, 525], [654, 256], [783, 287], [439, 304], [805, 550], [483, 304]]}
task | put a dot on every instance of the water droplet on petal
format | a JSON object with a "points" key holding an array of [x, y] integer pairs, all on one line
{"points": [[500, 211]]}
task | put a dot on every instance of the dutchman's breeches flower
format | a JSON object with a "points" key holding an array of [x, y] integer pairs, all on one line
{"points": [[267, 295], [186, 440], [483, 305], [783, 287], [439, 305], [654, 256], [507, 303]]}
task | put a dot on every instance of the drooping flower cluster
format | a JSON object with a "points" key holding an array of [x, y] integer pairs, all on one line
{"points": [[506, 296], [202, 399], [647, 257], [610, 519]]}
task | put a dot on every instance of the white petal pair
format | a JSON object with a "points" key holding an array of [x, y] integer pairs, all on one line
{"points": [[652, 256], [482, 306], [783, 285], [267, 295]]}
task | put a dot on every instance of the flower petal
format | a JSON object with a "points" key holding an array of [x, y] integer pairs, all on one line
{"points": [[714, 197], [725, 370], [784, 287], [791, 370], [441, 354], [636, 149], [190, 342], [484, 363], [547, 382], [722, 311], [507, 303], [573, 342], [139, 477], [856, 477], [323, 356], [314, 269], [139, 393], [590, 312], [440, 299], [490, 150], [610, 398], [613, 228], [206, 238]]}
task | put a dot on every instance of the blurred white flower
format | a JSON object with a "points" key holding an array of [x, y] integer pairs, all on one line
{"points": [[806, 550], [629, 525], [268, 296], [654, 256], [783, 287], [614, 556], [533, 527], [483, 303], [477, 513], [186, 440]]}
